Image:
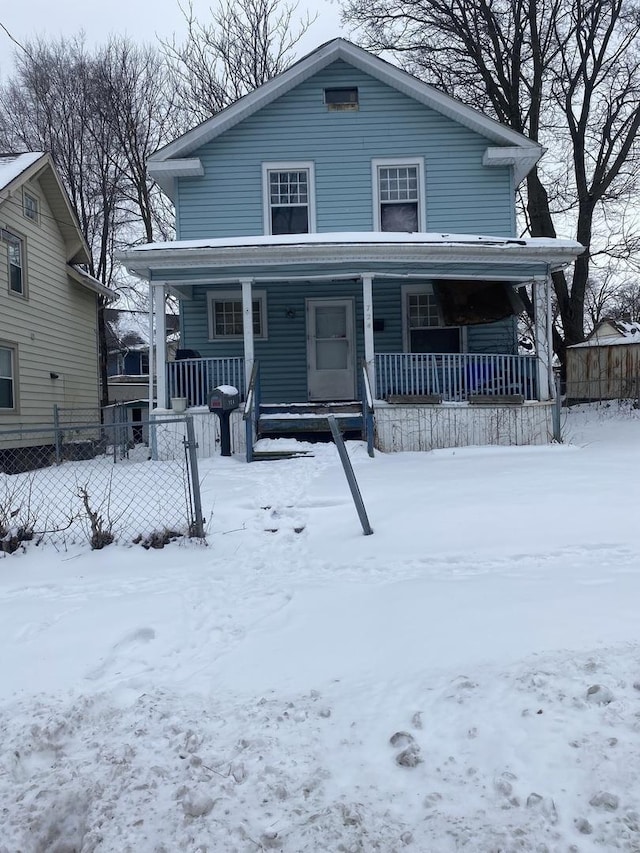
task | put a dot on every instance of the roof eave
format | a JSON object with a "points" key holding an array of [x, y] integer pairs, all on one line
{"points": [[86, 280], [165, 172], [144, 264]]}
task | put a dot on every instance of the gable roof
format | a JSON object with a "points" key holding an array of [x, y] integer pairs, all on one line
{"points": [[18, 169], [12, 166], [610, 333], [513, 148]]}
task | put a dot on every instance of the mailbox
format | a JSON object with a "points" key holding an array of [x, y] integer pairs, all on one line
{"points": [[223, 400]]}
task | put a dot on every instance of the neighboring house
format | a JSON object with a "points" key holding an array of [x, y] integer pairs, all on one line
{"points": [[48, 304], [328, 245], [606, 366], [127, 335]]}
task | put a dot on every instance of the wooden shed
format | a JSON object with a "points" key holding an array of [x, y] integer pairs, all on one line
{"points": [[607, 365]]}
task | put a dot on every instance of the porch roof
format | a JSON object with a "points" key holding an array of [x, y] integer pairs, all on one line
{"points": [[244, 255]]}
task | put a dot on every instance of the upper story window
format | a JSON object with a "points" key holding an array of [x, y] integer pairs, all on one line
{"points": [[225, 315], [341, 98], [7, 377], [289, 198], [30, 206], [15, 261], [398, 189]]}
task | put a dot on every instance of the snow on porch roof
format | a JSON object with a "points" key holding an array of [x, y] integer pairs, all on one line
{"points": [[361, 247], [359, 237]]}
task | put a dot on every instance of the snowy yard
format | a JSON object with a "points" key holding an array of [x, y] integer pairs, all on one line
{"points": [[467, 678]]}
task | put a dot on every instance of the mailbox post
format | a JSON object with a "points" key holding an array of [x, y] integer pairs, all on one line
{"points": [[223, 400]]}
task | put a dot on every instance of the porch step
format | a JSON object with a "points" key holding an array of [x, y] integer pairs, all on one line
{"points": [[308, 418], [275, 455]]}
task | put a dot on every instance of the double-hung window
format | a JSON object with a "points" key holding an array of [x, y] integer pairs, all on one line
{"points": [[225, 315], [30, 206], [289, 204], [15, 261], [423, 327], [7, 377], [398, 190]]}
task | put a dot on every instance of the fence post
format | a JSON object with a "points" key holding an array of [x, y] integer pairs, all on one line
{"points": [[351, 477], [197, 523], [557, 407], [57, 436]]}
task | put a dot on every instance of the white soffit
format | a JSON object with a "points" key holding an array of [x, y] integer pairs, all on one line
{"points": [[165, 171]]}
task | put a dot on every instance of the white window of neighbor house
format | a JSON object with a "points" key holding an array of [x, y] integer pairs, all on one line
{"points": [[398, 195], [289, 198], [225, 315], [7, 377], [15, 261]]}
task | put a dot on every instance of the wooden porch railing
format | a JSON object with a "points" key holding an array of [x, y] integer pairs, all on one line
{"points": [[193, 378], [454, 376]]}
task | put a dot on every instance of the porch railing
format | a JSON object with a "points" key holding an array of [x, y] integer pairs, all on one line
{"points": [[193, 378], [454, 376]]}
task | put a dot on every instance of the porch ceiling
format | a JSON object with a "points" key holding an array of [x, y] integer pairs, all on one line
{"points": [[355, 252]]}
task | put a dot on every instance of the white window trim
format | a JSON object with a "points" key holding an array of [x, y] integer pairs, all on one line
{"points": [[236, 296], [427, 288], [20, 294], [10, 345], [288, 166], [376, 162], [26, 192]]}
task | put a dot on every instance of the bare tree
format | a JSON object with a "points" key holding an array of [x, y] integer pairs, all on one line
{"points": [[131, 94], [564, 72], [100, 115], [49, 105], [246, 43]]}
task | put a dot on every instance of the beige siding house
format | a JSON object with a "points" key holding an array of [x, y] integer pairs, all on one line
{"points": [[48, 305]]}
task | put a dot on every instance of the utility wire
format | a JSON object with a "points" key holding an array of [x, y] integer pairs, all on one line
{"points": [[15, 40]]}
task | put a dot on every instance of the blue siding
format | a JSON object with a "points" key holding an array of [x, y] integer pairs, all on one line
{"points": [[283, 357], [461, 195]]}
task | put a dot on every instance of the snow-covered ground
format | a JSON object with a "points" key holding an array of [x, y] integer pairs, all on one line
{"points": [[467, 678]]}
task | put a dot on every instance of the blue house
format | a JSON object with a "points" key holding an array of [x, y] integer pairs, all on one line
{"points": [[347, 232]]}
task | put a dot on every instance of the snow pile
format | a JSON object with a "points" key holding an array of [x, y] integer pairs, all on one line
{"points": [[467, 678]]}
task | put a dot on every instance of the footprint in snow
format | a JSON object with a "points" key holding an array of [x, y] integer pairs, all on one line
{"points": [[133, 638]]}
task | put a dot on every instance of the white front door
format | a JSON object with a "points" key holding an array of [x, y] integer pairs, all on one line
{"points": [[330, 349]]}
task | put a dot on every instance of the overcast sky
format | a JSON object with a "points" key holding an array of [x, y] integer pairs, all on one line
{"points": [[140, 19]]}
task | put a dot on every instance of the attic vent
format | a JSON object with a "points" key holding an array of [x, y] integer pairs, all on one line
{"points": [[343, 98]]}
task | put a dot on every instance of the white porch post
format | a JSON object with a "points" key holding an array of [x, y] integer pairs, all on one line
{"points": [[369, 350], [543, 337], [161, 345], [247, 326]]}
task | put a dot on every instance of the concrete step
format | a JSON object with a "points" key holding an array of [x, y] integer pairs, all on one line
{"points": [[275, 455]]}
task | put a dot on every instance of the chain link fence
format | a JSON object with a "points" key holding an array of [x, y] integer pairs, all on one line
{"points": [[73, 480]]}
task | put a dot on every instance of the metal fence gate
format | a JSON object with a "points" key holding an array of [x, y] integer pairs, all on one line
{"points": [[78, 478]]}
